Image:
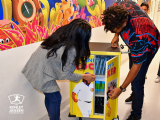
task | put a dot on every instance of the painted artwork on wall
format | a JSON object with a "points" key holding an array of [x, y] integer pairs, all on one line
{"points": [[23, 22]]}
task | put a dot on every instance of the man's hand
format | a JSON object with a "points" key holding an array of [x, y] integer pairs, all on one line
{"points": [[130, 77], [115, 93], [115, 40]]}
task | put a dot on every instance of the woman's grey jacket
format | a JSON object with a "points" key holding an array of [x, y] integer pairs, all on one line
{"points": [[42, 73]]}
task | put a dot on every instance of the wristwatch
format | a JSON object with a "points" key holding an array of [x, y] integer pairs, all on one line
{"points": [[123, 89]]}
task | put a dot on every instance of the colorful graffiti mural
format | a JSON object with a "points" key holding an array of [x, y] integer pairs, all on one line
{"points": [[24, 22]]}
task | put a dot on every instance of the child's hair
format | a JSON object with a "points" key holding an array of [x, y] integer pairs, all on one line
{"points": [[145, 4]]}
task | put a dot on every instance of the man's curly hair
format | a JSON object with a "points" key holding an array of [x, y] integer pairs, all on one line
{"points": [[114, 17]]}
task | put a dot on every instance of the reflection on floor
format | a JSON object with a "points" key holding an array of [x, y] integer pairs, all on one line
{"points": [[151, 107]]}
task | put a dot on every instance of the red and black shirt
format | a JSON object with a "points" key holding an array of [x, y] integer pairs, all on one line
{"points": [[140, 33]]}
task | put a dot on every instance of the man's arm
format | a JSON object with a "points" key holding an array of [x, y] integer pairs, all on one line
{"points": [[132, 74], [130, 77], [115, 40]]}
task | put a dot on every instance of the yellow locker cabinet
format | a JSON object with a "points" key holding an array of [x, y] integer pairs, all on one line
{"points": [[91, 100]]}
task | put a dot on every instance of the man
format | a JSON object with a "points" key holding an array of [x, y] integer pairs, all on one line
{"points": [[127, 19], [145, 8], [84, 90]]}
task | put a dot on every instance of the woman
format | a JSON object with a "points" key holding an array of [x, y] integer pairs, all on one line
{"points": [[56, 59]]}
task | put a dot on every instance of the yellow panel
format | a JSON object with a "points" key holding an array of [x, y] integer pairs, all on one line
{"points": [[119, 64], [111, 77], [74, 109]]}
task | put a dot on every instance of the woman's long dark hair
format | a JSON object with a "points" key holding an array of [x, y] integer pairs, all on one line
{"points": [[75, 34]]}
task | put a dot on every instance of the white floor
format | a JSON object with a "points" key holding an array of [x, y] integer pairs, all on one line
{"points": [[151, 107]]}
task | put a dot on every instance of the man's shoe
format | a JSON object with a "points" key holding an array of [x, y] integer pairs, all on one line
{"points": [[157, 80], [132, 117], [129, 99]]}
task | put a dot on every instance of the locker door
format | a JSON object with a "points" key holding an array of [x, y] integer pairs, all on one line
{"points": [[111, 77]]}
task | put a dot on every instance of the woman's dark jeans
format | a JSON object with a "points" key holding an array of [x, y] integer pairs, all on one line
{"points": [[52, 103]]}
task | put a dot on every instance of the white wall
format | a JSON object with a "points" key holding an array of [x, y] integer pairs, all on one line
{"points": [[156, 15], [13, 81]]}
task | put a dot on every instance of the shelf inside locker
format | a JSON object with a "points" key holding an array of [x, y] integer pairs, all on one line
{"points": [[99, 114], [100, 78], [99, 93]]}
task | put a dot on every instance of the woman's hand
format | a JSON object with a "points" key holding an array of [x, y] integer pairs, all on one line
{"points": [[89, 77], [115, 93]]}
